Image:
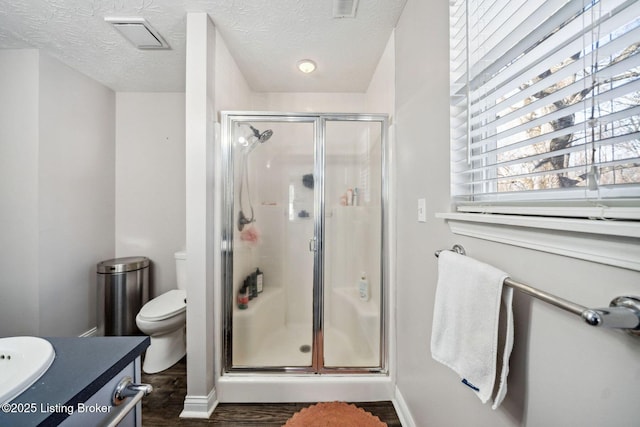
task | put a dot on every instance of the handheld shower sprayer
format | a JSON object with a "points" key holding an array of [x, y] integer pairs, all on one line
{"points": [[259, 137]]}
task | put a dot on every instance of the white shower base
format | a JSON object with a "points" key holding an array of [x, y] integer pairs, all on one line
{"points": [[283, 347], [263, 338], [271, 341]]}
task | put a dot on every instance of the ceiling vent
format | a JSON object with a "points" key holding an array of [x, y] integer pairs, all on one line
{"points": [[345, 8], [139, 32]]}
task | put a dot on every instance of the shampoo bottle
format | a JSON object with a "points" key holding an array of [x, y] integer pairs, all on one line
{"points": [[350, 197], [363, 287], [243, 298], [253, 285], [247, 284], [259, 280]]}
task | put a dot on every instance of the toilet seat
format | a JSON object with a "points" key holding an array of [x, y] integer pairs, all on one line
{"points": [[164, 306]]}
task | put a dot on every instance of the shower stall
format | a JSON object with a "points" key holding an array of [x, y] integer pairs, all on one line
{"points": [[304, 284]]}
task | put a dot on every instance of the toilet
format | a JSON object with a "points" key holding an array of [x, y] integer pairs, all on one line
{"points": [[164, 320]]}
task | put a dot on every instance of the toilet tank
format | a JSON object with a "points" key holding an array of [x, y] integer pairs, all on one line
{"points": [[181, 269]]}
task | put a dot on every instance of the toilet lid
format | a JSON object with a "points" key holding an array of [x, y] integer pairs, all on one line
{"points": [[164, 306]]}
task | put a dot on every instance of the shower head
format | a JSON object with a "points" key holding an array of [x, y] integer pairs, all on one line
{"points": [[262, 137], [251, 137]]}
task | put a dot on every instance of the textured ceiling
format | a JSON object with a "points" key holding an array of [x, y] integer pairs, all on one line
{"points": [[266, 38]]}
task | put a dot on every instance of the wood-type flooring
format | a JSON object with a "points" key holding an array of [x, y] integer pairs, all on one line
{"points": [[163, 406]]}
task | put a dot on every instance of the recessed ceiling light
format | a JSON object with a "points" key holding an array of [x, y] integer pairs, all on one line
{"points": [[306, 66], [139, 32]]}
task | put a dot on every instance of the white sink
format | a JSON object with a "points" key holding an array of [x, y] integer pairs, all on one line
{"points": [[23, 360]]}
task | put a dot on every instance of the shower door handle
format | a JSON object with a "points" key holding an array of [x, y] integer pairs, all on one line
{"points": [[312, 245]]}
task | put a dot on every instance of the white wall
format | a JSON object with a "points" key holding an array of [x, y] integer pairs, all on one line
{"points": [[231, 89], [303, 102], [19, 192], [76, 194], [200, 149], [380, 95], [150, 181], [380, 98], [62, 195], [213, 82], [563, 372]]}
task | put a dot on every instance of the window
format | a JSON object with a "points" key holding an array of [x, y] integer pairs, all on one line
{"points": [[545, 105]]}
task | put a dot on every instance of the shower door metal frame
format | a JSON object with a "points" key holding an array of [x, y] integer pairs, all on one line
{"points": [[319, 121]]}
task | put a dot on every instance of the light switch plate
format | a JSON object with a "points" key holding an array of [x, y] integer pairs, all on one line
{"points": [[422, 210]]}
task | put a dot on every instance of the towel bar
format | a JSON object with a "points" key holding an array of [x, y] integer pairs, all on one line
{"points": [[622, 313]]}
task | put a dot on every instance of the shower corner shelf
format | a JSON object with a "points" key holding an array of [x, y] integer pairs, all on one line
{"points": [[268, 294]]}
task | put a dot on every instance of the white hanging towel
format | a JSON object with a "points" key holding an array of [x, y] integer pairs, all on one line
{"points": [[470, 335]]}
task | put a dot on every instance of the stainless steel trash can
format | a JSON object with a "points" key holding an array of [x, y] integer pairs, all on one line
{"points": [[123, 288]]}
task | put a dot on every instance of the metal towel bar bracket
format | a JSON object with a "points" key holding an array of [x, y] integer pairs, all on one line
{"points": [[622, 313], [124, 390]]}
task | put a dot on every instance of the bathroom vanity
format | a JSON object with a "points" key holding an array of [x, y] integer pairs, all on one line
{"points": [[78, 387]]}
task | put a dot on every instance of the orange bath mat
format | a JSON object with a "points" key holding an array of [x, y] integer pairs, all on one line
{"points": [[334, 414]]}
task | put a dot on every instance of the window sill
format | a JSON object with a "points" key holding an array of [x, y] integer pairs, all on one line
{"points": [[614, 243]]}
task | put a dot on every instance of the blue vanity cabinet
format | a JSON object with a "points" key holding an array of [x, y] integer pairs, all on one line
{"points": [[98, 409], [78, 387]]}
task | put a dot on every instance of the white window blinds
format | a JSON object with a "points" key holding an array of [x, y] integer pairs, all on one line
{"points": [[545, 99]]}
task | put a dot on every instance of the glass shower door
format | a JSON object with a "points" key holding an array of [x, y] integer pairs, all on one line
{"points": [[273, 264], [303, 265], [353, 266]]}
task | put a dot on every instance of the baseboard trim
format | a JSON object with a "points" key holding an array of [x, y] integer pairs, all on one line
{"points": [[402, 410], [199, 406], [90, 333]]}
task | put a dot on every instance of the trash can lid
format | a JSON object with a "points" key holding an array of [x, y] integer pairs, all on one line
{"points": [[122, 265]]}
